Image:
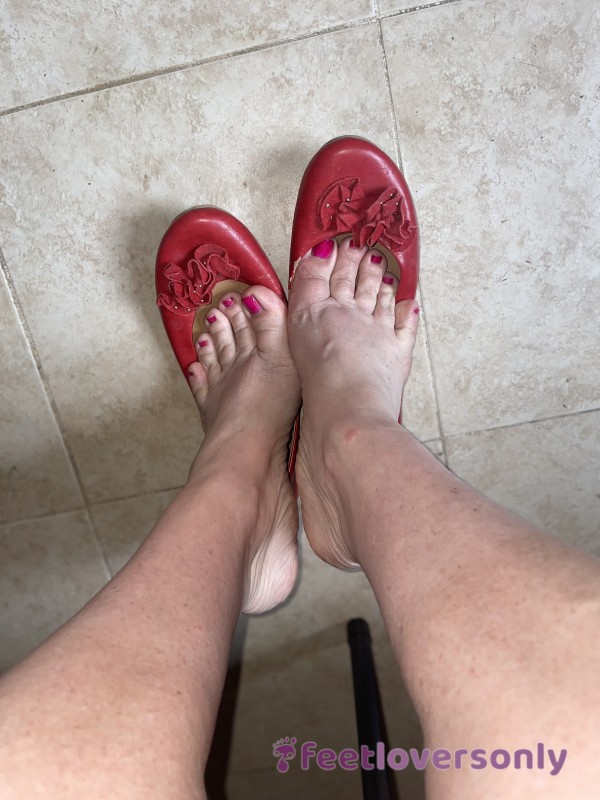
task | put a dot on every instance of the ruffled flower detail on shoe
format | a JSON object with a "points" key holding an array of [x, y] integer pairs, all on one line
{"points": [[344, 206], [341, 205], [192, 286]]}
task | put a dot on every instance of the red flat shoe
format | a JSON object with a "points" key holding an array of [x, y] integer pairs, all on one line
{"points": [[205, 253], [351, 186]]}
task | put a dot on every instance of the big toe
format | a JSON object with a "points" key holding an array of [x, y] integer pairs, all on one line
{"points": [[267, 314], [311, 280]]}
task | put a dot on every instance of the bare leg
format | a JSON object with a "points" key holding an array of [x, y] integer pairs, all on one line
{"points": [[494, 623], [121, 702]]}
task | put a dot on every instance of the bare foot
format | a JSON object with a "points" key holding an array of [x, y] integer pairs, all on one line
{"points": [[353, 349], [247, 389]]}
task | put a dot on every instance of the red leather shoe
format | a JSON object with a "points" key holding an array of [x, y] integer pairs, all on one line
{"points": [[351, 186], [205, 253]]}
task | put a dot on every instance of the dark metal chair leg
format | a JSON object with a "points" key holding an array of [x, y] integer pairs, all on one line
{"points": [[377, 784]]}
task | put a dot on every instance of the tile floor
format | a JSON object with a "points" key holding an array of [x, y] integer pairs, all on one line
{"points": [[492, 108]]}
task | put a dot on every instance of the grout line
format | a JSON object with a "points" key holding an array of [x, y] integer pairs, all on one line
{"points": [[390, 96], [564, 415], [52, 404], [41, 374], [441, 436], [92, 504], [400, 12], [87, 504], [436, 395], [150, 74], [99, 548], [86, 509], [135, 495], [52, 515], [144, 76], [13, 523]]}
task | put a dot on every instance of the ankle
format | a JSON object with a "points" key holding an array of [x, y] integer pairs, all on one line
{"points": [[233, 457], [354, 435], [359, 454], [347, 406]]}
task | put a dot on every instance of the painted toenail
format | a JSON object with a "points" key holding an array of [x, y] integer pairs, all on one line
{"points": [[211, 318], [323, 249], [229, 302], [387, 279], [376, 259], [416, 310], [202, 343], [251, 304]]}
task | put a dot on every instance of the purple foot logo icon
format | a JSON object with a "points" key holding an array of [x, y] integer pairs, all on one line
{"points": [[284, 750]]}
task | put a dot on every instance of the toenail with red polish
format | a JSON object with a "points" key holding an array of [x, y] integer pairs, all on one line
{"points": [[251, 304], [323, 249], [387, 279], [376, 259], [202, 343], [229, 302], [211, 318], [416, 310]]}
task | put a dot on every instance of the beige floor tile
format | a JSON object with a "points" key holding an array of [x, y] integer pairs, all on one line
{"points": [[498, 124], [546, 471], [295, 785], [389, 6], [90, 184], [122, 525], [296, 677], [35, 474], [55, 48], [268, 784], [49, 569]]}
